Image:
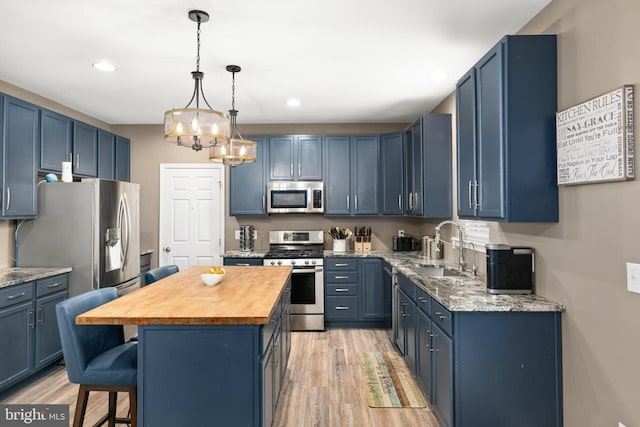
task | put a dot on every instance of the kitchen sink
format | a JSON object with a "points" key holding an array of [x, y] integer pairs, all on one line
{"points": [[436, 270]]}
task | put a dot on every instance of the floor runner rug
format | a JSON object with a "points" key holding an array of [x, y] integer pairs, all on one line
{"points": [[388, 382]]}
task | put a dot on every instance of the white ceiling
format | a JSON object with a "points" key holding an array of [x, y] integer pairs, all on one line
{"points": [[347, 61]]}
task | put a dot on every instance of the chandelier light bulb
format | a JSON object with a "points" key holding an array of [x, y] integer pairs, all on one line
{"points": [[179, 127]]}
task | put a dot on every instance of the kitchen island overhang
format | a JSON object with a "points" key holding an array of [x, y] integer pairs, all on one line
{"points": [[207, 355]]}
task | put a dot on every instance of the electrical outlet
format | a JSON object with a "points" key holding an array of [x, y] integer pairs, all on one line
{"points": [[400, 233], [255, 234], [237, 234], [633, 277]]}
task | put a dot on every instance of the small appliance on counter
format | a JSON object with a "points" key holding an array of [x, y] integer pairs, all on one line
{"points": [[404, 243], [510, 269], [247, 238], [428, 248]]}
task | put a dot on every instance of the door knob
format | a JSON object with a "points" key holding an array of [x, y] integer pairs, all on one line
{"points": [[166, 249]]}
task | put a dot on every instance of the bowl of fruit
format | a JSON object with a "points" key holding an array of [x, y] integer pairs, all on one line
{"points": [[212, 276]]}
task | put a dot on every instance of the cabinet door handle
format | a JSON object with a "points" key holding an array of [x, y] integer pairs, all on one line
{"points": [[41, 316], [423, 300], [263, 203], [415, 200], [347, 202], [440, 316], [342, 307], [244, 264], [298, 169], [32, 314], [77, 162], [54, 285], [356, 203], [400, 202], [476, 193], [8, 198], [341, 264], [410, 201], [12, 297], [341, 277], [470, 203], [342, 289]]}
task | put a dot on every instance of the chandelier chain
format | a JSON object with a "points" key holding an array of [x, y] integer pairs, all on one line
{"points": [[198, 54]]}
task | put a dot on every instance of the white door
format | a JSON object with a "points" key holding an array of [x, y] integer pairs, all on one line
{"points": [[191, 214]]}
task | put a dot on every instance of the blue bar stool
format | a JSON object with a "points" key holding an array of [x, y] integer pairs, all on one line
{"points": [[159, 273], [96, 356]]}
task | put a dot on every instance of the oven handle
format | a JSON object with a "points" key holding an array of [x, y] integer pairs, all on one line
{"points": [[307, 270]]}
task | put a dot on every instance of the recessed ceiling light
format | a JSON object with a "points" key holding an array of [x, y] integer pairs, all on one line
{"points": [[293, 103], [104, 66], [438, 76]]}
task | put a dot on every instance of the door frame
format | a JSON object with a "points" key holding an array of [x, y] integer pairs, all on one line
{"points": [[167, 166]]}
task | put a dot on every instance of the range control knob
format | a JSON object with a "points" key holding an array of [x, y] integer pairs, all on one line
{"points": [[307, 262], [273, 263], [293, 262], [313, 261], [279, 262]]}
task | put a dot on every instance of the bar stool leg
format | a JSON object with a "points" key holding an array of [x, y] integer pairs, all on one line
{"points": [[81, 406]]}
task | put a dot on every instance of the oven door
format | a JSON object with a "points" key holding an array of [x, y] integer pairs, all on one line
{"points": [[307, 290]]}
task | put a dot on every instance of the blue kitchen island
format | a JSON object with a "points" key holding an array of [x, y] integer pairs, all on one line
{"points": [[208, 356]]}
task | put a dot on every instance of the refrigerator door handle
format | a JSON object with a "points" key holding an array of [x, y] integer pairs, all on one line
{"points": [[124, 224]]}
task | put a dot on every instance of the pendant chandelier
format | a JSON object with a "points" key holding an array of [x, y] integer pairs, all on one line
{"points": [[236, 150], [190, 126]]}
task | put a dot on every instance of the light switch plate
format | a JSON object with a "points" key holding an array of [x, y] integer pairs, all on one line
{"points": [[237, 234], [633, 277]]}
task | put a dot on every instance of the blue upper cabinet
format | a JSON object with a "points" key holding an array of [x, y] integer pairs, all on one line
{"points": [[85, 149], [106, 154], [55, 141], [123, 159], [506, 133], [428, 167], [113, 156], [365, 174], [392, 174], [19, 140], [247, 183], [337, 175], [437, 168], [351, 175], [295, 158]]}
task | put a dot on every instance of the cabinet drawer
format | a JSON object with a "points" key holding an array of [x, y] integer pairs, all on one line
{"points": [[407, 286], [341, 264], [423, 301], [52, 284], [16, 294], [243, 261], [342, 308], [442, 317], [341, 290], [338, 277]]}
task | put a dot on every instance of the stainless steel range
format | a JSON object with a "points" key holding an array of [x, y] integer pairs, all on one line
{"points": [[303, 251]]}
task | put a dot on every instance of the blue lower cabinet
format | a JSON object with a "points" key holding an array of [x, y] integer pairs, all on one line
{"points": [[206, 375], [482, 369]]}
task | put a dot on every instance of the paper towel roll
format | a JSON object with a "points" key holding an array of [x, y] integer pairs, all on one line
{"points": [[66, 172]]}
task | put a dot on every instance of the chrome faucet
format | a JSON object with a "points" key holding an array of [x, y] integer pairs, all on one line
{"points": [[463, 263]]}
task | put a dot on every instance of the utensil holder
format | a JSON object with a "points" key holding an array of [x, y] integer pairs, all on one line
{"points": [[339, 245]]}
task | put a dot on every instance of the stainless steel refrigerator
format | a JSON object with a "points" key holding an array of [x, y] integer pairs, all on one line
{"points": [[92, 226]]}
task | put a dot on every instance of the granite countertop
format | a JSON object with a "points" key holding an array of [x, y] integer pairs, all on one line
{"points": [[16, 275], [244, 254], [455, 293]]}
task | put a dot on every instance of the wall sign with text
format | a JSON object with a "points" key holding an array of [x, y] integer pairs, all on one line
{"points": [[595, 139]]}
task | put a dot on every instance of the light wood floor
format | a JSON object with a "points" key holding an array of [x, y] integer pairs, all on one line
{"points": [[323, 386]]}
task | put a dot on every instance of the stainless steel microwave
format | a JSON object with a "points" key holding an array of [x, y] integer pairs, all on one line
{"points": [[295, 197]]}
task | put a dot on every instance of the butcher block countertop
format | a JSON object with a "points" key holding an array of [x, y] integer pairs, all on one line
{"points": [[246, 296]]}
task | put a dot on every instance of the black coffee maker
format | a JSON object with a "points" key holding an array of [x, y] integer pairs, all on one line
{"points": [[510, 269]]}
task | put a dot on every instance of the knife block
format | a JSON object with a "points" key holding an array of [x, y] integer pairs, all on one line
{"points": [[358, 246], [366, 247]]}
